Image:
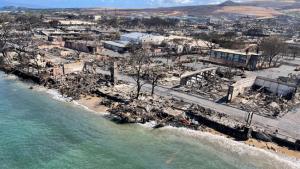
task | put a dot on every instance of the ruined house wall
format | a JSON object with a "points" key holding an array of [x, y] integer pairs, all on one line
{"points": [[76, 46], [239, 87], [57, 71], [196, 75], [278, 88], [73, 67], [81, 46]]}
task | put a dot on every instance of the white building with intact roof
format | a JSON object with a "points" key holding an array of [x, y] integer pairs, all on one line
{"points": [[137, 37]]}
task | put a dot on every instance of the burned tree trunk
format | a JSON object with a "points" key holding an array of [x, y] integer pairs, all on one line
{"points": [[139, 61]]}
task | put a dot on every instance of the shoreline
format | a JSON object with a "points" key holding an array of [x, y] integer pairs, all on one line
{"points": [[92, 104], [267, 146], [235, 146]]}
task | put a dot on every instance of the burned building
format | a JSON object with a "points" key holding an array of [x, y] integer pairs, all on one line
{"points": [[278, 88], [256, 32], [117, 46], [232, 58], [83, 46]]}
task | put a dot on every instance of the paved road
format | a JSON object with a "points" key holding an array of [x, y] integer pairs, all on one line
{"points": [[288, 126]]}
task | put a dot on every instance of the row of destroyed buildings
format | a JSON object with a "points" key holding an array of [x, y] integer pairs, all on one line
{"points": [[218, 60]]}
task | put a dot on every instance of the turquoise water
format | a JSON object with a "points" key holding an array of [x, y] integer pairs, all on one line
{"points": [[38, 132]]}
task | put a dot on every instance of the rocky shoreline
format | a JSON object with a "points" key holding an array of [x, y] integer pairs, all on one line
{"points": [[97, 94]]}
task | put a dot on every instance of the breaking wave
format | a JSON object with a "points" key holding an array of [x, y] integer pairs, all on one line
{"points": [[8, 76], [247, 152], [58, 96], [235, 147], [150, 124], [85, 107]]}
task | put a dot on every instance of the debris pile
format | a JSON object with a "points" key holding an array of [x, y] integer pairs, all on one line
{"points": [[77, 84], [162, 111], [229, 73], [144, 110], [215, 116], [265, 104], [120, 91], [171, 73], [212, 88]]}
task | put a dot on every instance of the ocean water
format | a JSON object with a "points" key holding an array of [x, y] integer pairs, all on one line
{"points": [[38, 130]]}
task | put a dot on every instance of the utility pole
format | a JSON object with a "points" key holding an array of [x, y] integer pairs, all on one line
{"points": [[247, 129], [113, 72]]}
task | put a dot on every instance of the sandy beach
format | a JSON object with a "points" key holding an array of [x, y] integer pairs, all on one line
{"points": [[269, 146], [273, 147], [93, 103]]}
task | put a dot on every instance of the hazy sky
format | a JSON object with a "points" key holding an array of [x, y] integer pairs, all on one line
{"points": [[105, 3]]}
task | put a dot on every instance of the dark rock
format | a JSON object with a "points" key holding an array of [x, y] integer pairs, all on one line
{"points": [[160, 125], [263, 137]]}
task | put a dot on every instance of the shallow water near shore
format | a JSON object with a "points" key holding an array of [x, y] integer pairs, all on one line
{"points": [[37, 131]]}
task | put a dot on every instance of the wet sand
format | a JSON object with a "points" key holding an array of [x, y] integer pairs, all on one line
{"points": [[269, 146], [93, 103], [273, 147]]}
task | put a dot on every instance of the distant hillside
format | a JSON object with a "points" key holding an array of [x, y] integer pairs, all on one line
{"points": [[8, 8], [249, 10], [279, 4], [229, 3], [258, 8], [13, 8]]}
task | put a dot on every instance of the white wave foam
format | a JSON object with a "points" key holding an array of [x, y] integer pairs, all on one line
{"points": [[83, 106], [39, 88], [9, 76], [240, 148], [88, 109], [236, 147], [57, 96], [150, 124]]}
